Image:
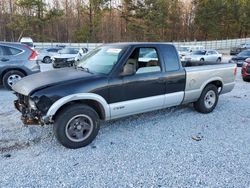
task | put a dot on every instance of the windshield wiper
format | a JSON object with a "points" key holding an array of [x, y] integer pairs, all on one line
{"points": [[83, 68]]}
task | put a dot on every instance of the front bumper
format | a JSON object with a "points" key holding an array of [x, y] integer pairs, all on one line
{"points": [[59, 63]]}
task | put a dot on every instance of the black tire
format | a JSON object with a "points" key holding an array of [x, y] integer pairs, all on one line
{"points": [[63, 125], [202, 60], [203, 105], [218, 60], [7, 77], [47, 60], [245, 79]]}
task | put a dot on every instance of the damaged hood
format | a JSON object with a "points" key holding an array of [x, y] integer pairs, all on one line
{"points": [[45, 79]]}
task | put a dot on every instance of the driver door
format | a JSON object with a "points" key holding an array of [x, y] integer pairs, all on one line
{"points": [[142, 91]]}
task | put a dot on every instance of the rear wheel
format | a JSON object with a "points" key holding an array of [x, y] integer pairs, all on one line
{"points": [[11, 77], [208, 99], [218, 60], [202, 60], [76, 126], [47, 60]]}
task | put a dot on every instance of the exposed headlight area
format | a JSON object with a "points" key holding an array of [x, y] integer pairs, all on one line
{"points": [[32, 104], [32, 108], [43, 104]]}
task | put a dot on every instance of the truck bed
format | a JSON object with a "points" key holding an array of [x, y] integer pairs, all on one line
{"points": [[198, 76]]}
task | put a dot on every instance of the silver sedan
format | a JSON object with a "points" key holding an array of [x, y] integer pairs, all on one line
{"points": [[204, 56]]}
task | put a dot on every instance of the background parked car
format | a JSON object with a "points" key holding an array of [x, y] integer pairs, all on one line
{"points": [[245, 71], [187, 50], [240, 58], [28, 41], [150, 55], [67, 57], [16, 61], [204, 56], [45, 54], [242, 47]]}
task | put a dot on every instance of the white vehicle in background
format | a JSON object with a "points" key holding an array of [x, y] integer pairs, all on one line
{"points": [[204, 56], [45, 54], [187, 50], [28, 41], [68, 56]]}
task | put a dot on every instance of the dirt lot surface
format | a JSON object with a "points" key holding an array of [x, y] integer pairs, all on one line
{"points": [[175, 147]]}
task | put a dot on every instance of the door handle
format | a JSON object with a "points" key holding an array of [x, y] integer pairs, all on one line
{"points": [[4, 59]]}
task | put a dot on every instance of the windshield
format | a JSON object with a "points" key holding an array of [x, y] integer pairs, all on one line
{"points": [[244, 53], [69, 51], [199, 52], [183, 49], [101, 60]]}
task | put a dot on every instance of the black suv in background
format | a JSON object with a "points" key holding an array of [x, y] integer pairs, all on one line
{"points": [[16, 61], [242, 47], [240, 58]]}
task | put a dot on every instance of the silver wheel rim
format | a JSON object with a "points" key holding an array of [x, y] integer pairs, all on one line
{"points": [[210, 99], [47, 60], [79, 128], [12, 79]]}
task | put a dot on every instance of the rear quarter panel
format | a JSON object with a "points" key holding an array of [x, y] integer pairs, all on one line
{"points": [[197, 78]]}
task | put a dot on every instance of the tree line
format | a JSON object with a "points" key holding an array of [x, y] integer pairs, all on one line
{"points": [[123, 20]]}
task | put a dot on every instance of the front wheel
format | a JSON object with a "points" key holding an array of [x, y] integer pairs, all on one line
{"points": [[208, 99], [76, 126]]}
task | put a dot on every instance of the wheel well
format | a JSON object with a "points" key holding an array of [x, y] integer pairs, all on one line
{"points": [[46, 56], [92, 103], [7, 70], [218, 84]]}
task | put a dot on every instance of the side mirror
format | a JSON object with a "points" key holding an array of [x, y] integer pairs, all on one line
{"points": [[128, 69]]}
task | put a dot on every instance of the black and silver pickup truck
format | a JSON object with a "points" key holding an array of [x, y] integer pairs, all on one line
{"points": [[117, 80]]}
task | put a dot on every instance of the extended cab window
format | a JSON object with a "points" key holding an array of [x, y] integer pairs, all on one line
{"points": [[171, 58], [144, 60]]}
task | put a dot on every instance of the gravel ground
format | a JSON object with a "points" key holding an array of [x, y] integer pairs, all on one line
{"points": [[154, 149]]}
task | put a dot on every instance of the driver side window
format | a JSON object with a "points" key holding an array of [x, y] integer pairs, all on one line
{"points": [[144, 60]]}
